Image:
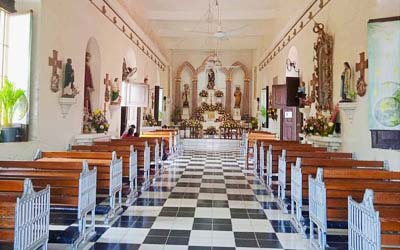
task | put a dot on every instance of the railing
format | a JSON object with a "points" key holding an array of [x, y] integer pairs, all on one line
{"points": [[157, 159], [317, 210], [282, 182], [86, 203], [364, 227], [133, 176], [296, 187], [146, 167], [31, 229], [255, 158], [115, 187]]}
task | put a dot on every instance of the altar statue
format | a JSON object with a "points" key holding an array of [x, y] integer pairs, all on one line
{"points": [[211, 79], [88, 85], [69, 89], [347, 83], [238, 97], [185, 96]]}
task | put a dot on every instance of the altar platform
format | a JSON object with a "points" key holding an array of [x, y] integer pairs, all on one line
{"points": [[224, 145]]}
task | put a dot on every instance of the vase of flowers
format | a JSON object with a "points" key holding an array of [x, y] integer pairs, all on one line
{"points": [[98, 121], [203, 94]]}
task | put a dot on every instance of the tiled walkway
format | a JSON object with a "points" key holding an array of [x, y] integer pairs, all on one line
{"points": [[204, 200]]}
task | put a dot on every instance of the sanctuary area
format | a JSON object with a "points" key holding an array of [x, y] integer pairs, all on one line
{"points": [[199, 124]]}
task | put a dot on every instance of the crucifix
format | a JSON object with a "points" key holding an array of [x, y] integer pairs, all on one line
{"points": [[361, 66], [55, 77], [107, 83]]}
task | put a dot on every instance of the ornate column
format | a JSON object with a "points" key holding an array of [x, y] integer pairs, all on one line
{"points": [[246, 97], [194, 94], [177, 100], [228, 96]]}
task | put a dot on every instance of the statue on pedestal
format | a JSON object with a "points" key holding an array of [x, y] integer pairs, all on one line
{"points": [[185, 96], [211, 79], [347, 83], [69, 89], [238, 98], [88, 84]]}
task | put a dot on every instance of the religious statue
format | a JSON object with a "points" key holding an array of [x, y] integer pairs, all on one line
{"points": [[69, 89], [211, 79], [185, 96], [238, 98], [115, 97], [347, 83], [88, 85]]}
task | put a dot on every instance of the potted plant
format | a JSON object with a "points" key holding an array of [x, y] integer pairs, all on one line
{"points": [[254, 123], [10, 97], [264, 114], [99, 121]]}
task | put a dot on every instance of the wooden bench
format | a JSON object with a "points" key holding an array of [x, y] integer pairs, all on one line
{"points": [[382, 229], [24, 214], [74, 186], [143, 159], [328, 198], [109, 173], [298, 175]]}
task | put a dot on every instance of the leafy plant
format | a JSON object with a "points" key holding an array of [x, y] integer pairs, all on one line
{"points": [[254, 123], [264, 112], [9, 98]]}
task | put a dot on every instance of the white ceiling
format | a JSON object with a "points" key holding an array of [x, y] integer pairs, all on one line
{"points": [[172, 21]]}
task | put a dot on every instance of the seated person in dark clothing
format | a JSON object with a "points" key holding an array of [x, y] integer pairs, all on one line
{"points": [[129, 133]]}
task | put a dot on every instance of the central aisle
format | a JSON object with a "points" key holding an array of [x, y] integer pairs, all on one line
{"points": [[203, 200]]}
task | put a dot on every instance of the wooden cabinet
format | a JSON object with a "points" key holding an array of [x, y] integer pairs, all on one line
{"points": [[279, 96]]}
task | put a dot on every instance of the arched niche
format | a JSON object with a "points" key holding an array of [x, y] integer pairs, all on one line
{"points": [[94, 65], [186, 74], [239, 75], [292, 58]]}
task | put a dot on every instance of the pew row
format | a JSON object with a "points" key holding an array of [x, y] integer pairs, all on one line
{"points": [[328, 200], [24, 215], [74, 187]]}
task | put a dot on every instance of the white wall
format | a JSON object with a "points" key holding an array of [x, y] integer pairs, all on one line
{"points": [[346, 21], [67, 26]]}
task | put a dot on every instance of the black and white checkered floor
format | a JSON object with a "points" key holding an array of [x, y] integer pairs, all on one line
{"points": [[204, 200]]}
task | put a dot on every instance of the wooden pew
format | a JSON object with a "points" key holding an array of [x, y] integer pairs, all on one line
{"points": [[328, 198], [109, 173], [24, 215], [268, 160], [298, 175], [383, 229], [74, 186], [142, 158]]}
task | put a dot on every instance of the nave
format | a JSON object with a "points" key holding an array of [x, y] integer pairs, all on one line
{"points": [[203, 200]]}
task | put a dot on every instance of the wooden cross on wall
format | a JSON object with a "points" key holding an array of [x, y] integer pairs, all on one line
{"points": [[361, 67], [107, 82], [55, 77]]}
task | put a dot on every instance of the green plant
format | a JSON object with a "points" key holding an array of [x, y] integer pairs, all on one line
{"points": [[264, 113], [254, 123], [9, 98]]}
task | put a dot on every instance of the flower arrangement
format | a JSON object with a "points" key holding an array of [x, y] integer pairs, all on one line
{"points": [[211, 131], [219, 93], [203, 93], [98, 121], [232, 124], [193, 123], [320, 125]]}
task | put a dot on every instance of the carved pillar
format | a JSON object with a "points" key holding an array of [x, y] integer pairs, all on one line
{"points": [[228, 96], [246, 97], [194, 94], [177, 100]]}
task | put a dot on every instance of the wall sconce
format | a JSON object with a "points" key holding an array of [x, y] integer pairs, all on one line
{"points": [[291, 65]]}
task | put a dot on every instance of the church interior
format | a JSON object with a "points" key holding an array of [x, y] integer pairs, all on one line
{"points": [[199, 125]]}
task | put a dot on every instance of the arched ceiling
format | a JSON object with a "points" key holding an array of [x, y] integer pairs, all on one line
{"points": [[172, 20]]}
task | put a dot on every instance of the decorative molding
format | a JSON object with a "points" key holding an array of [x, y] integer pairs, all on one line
{"points": [[349, 108], [65, 104], [112, 15], [308, 15]]}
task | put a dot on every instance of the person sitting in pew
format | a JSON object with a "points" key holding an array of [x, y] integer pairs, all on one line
{"points": [[129, 133]]}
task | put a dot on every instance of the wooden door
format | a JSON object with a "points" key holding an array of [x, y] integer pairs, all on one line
{"points": [[290, 124]]}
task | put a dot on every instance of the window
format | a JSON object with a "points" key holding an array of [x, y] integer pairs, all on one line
{"points": [[15, 62]]}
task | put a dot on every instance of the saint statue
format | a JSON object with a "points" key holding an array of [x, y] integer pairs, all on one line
{"points": [[347, 83], [69, 89], [88, 85], [238, 98], [115, 97], [211, 79], [185, 96]]}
